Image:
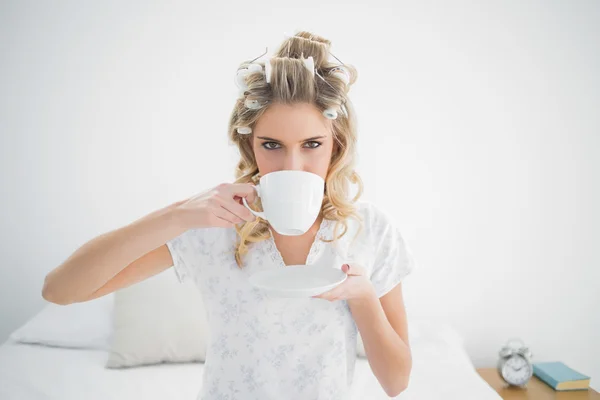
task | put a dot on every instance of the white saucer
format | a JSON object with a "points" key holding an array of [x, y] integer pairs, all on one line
{"points": [[298, 280]]}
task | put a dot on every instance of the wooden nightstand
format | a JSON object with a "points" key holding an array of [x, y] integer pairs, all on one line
{"points": [[536, 389]]}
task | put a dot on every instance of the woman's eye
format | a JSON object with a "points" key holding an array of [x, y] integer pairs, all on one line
{"points": [[270, 145], [312, 144], [274, 145]]}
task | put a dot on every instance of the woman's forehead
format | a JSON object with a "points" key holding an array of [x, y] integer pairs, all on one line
{"points": [[291, 122]]}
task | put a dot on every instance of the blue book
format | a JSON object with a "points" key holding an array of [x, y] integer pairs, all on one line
{"points": [[560, 377]]}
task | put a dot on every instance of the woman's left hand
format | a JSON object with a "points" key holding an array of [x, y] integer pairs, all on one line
{"points": [[356, 287]]}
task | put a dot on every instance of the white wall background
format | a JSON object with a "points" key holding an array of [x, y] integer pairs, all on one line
{"points": [[479, 133]]}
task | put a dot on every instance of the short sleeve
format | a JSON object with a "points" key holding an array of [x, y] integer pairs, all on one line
{"points": [[393, 259], [183, 251]]}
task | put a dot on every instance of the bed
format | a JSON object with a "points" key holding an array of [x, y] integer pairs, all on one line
{"points": [[441, 370], [61, 353]]}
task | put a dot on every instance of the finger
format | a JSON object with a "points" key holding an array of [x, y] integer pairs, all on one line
{"points": [[225, 215], [322, 295], [222, 223], [242, 190], [330, 297], [333, 294], [353, 270], [250, 199], [237, 209], [336, 293], [217, 221]]}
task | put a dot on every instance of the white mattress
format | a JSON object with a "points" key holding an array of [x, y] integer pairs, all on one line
{"points": [[441, 370]]}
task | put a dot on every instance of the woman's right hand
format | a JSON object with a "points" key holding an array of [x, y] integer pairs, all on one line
{"points": [[220, 206]]}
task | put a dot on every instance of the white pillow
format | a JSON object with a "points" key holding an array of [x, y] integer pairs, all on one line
{"points": [[79, 325], [429, 330], [159, 320]]}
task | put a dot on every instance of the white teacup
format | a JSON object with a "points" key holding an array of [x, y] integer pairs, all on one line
{"points": [[291, 200]]}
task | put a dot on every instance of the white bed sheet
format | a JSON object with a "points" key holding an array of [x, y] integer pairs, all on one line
{"points": [[441, 370]]}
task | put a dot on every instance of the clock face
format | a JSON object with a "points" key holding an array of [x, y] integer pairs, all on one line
{"points": [[516, 370]]}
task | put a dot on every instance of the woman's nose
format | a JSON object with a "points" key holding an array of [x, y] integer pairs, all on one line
{"points": [[293, 161]]}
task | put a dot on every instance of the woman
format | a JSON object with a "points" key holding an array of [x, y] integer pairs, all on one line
{"points": [[293, 114]]}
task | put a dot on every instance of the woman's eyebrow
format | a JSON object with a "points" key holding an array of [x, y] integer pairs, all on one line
{"points": [[315, 138], [303, 140]]}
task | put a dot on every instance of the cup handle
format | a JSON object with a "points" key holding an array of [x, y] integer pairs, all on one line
{"points": [[257, 213]]}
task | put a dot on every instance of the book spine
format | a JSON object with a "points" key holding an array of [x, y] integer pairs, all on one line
{"points": [[546, 378]]}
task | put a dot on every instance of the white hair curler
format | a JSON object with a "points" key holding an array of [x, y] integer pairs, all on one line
{"points": [[330, 113], [252, 104], [341, 73], [244, 130]]}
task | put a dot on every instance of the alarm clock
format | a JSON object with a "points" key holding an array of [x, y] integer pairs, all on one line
{"points": [[514, 365]]}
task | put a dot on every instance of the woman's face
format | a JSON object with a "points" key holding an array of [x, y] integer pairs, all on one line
{"points": [[293, 137]]}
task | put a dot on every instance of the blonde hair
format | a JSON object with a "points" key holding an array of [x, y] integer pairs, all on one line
{"points": [[291, 82]]}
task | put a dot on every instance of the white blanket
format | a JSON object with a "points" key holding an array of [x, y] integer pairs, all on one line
{"points": [[441, 370]]}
